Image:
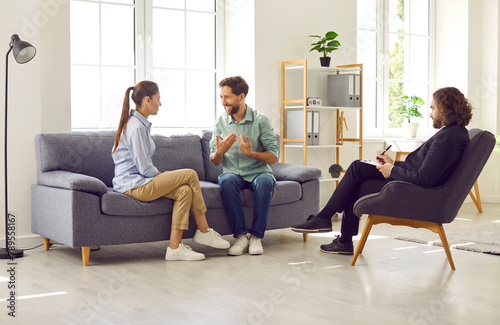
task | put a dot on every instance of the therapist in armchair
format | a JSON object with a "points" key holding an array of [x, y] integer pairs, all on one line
{"points": [[429, 165]]}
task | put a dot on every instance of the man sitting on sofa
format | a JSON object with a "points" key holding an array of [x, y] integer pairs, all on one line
{"points": [[245, 163], [429, 165]]}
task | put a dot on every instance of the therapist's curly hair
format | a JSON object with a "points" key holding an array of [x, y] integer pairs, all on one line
{"points": [[454, 107], [237, 84]]}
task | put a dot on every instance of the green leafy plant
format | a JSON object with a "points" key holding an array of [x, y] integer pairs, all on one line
{"points": [[326, 44], [408, 107]]}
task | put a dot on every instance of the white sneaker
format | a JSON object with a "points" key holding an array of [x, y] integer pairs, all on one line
{"points": [[183, 253], [240, 245], [210, 238], [255, 246]]}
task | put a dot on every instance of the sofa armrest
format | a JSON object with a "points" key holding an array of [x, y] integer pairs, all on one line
{"points": [[72, 181], [297, 173]]}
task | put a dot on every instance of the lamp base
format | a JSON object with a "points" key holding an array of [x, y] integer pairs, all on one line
{"points": [[11, 254]]}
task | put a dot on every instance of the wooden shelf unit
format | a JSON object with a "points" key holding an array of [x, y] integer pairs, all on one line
{"points": [[301, 104]]}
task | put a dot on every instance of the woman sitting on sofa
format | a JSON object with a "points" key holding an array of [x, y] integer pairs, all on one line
{"points": [[136, 176]]}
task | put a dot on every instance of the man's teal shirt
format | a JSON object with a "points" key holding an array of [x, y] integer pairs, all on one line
{"points": [[259, 129]]}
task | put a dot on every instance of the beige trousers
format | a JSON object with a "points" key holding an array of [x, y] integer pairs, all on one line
{"points": [[183, 186]]}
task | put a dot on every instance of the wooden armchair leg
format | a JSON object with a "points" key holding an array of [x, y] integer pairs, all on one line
{"points": [[446, 247], [305, 236], [362, 240], [46, 243], [85, 255], [476, 198]]}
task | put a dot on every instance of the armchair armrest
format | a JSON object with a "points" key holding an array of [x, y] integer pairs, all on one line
{"points": [[405, 200], [297, 173], [72, 181]]}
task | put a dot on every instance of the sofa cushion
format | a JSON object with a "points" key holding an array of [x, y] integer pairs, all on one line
{"points": [[179, 152], [211, 195], [114, 203], [283, 192], [72, 181], [212, 172]]}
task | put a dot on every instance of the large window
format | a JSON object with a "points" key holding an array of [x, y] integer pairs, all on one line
{"points": [[394, 45], [117, 43]]}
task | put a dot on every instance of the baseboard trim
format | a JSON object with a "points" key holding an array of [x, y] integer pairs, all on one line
{"points": [[489, 199], [25, 242]]}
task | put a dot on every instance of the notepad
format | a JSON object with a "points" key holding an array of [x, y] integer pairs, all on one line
{"points": [[370, 162]]}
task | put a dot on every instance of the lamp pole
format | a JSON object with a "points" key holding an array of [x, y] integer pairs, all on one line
{"points": [[23, 52]]}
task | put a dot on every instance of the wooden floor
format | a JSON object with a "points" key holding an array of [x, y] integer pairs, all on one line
{"points": [[393, 282]]}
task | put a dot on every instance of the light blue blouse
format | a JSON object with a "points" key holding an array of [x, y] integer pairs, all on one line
{"points": [[133, 156]]}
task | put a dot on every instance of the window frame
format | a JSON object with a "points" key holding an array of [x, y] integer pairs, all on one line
{"points": [[382, 59], [143, 59]]}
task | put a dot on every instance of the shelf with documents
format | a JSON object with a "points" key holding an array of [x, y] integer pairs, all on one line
{"points": [[298, 120]]}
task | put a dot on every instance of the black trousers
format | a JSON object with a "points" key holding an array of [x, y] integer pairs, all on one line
{"points": [[359, 180]]}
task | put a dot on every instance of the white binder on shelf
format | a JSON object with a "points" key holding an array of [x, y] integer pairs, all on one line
{"points": [[295, 126], [357, 90], [309, 128], [315, 128], [341, 90]]}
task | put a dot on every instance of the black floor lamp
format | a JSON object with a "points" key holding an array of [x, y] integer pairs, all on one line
{"points": [[23, 52]]}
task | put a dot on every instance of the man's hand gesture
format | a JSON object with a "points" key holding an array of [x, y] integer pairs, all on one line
{"points": [[245, 147], [223, 146]]}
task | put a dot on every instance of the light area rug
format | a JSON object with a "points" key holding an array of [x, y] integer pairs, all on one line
{"points": [[481, 238]]}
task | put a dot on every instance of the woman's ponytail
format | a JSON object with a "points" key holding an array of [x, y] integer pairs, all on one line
{"points": [[124, 118], [141, 90]]}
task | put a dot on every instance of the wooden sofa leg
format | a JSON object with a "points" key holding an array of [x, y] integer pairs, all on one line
{"points": [[305, 236], [85, 255], [46, 243]]}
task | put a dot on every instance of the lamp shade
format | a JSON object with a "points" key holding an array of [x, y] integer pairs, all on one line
{"points": [[23, 51]]}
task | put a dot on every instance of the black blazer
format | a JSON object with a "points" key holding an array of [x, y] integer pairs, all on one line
{"points": [[433, 162]]}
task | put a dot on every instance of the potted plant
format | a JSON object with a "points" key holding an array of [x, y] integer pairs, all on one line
{"points": [[408, 107], [335, 170], [325, 45]]}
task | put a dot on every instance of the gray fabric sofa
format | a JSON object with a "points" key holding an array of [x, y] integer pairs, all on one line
{"points": [[73, 202]]}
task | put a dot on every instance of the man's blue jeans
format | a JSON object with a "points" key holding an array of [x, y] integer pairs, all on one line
{"points": [[262, 187]]}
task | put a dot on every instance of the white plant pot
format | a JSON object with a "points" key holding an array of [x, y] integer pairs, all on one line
{"points": [[410, 130]]}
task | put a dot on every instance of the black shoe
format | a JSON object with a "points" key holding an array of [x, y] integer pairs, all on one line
{"points": [[336, 247], [314, 224]]}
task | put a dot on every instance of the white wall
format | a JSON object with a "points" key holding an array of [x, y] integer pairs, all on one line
{"points": [[38, 96], [451, 44], [239, 41]]}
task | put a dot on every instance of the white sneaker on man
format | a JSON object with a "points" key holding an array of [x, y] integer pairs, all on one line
{"points": [[210, 238], [183, 253], [255, 246], [239, 246]]}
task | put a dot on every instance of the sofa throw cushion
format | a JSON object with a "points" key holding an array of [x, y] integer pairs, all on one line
{"points": [[212, 172], [179, 152], [297, 173], [72, 181], [87, 153]]}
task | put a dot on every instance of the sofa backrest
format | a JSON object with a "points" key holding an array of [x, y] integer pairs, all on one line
{"points": [[178, 152], [89, 153]]}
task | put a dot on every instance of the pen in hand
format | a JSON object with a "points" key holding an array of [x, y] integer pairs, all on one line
{"points": [[386, 149]]}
